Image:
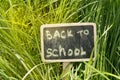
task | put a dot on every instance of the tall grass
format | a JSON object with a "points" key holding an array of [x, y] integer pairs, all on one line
{"points": [[20, 22]]}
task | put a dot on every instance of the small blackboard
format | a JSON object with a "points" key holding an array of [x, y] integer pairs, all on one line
{"points": [[72, 42]]}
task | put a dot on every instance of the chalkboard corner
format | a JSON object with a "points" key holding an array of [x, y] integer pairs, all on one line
{"points": [[43, 59], [42, 27]]}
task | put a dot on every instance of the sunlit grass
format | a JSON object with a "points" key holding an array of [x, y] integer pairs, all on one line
{"points": [[20, 22]]}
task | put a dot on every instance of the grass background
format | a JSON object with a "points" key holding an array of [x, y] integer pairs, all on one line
{"points": [[20, 22]]}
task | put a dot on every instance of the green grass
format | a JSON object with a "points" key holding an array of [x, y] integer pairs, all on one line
{"points": [[20, 22]]}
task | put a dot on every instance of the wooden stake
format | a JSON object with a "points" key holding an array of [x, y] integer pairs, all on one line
{"points": [[66, 67]]}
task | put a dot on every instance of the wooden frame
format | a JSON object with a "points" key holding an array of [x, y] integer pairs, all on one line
{"points": [[66, 25]]}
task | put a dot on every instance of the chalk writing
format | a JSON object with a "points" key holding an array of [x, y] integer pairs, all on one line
{"points": [[63, 34], [62, 52], [83, 32]]}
